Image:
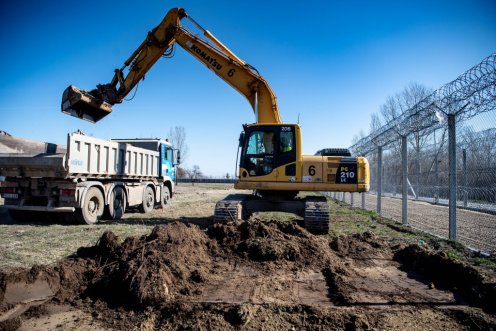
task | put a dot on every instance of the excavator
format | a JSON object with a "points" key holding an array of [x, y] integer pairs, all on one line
{"points": [[271, 163]]}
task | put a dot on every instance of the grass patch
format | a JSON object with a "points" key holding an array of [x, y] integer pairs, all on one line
{"points": [[275, 215], [26, 245], [23, 245], [347, 220]]}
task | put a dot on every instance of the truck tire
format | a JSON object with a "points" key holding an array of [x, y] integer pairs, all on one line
{"points": [[164, 199], [148, 200], [117, 204], [93, 206]]}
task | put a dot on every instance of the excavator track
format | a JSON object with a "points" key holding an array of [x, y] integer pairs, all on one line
{"points": [[230, 208], [316, 217], [314, 209]]}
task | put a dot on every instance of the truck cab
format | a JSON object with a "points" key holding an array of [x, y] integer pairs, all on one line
{"points": [[168, 160]]}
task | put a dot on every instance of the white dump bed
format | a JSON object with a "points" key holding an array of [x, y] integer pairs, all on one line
{"points": [[86, 157], [92, 157]]}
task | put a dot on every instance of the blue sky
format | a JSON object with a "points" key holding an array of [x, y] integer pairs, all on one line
{"points": [[331, 64]]}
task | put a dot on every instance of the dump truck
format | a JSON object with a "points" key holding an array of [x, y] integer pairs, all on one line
{"points": [[90, 179]]}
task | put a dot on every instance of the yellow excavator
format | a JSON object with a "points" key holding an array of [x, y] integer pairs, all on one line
{"points": [[271, 163]]}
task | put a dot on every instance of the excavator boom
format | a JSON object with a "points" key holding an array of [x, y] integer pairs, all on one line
{"points": [[96, 104]]}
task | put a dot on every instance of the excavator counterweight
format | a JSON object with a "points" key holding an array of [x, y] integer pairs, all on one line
{"points": [[84, 105]]}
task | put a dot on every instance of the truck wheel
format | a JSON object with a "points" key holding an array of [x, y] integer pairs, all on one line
{"points": [[148, 200], [117, 203], [92, 208], [164, 200]]}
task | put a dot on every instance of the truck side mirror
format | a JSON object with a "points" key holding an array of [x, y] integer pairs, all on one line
{"points": [[178, 156]]}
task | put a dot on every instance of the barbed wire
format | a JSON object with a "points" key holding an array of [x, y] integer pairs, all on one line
{"points": [[472, 93]]}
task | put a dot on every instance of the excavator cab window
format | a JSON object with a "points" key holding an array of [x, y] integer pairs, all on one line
{"points": [[286, 141], [259, 156]]}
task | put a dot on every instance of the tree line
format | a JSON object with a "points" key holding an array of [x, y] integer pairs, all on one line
{"points": [[428, 152]]}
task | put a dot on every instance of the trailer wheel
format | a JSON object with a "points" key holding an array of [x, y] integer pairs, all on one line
{"points": [[93, 206], [117, 203], [148, 200], [164, 200]]}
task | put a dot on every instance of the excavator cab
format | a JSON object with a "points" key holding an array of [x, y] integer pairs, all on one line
{"points": [[84, 105], [268, 151]]}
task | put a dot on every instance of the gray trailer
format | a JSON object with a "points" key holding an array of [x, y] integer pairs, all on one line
{"points": [[91, 180]]}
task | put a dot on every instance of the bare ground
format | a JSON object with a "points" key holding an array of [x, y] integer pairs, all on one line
{"points": [[184, 272]]}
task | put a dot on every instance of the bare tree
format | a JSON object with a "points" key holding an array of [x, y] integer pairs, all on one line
{"points": [[181, 172], [397, 105], [391, 109], [194, 173], [177, 136], [375, 122], [409, 97]]}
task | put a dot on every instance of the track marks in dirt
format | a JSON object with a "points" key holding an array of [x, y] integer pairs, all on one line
{"points": [[376, 278], [236, 284]]}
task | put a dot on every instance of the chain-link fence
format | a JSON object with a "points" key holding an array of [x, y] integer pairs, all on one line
{"points": [[440, 155]]}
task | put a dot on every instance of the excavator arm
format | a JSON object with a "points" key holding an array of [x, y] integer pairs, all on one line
{"points": [[96, 104]]}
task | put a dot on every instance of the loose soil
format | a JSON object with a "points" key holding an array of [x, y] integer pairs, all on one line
{"points": [[248, 275]]}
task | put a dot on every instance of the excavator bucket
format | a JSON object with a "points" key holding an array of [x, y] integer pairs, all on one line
{"points": [[83, 105]]}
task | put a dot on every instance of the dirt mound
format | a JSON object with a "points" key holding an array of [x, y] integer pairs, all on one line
{"points": [[271, 241], [150, 270], [242, 275], [175, 261], [357, 245]]}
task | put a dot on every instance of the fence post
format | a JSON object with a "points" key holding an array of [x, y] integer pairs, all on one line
{"points": [[465, 192], [352, 199], [363, 200], [404, 181], [452, 175], [379, 179], [436, 169]]}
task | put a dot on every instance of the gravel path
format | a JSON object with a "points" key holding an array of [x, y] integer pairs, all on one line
{"points": [[474, 229]]}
